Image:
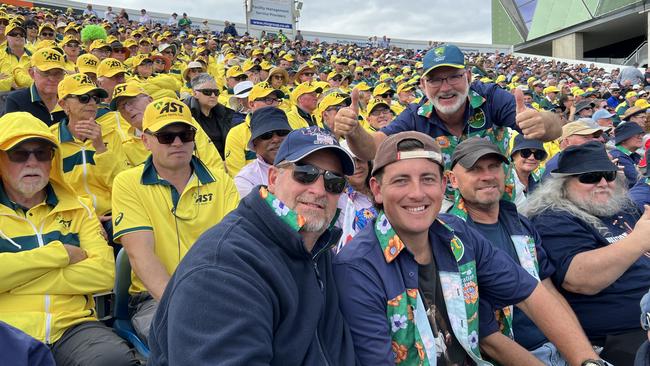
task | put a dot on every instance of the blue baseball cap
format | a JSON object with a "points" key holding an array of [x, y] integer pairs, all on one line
{"points": [[267, 119], [602, 113], [625, 131], [303, 142], [447, 55]]}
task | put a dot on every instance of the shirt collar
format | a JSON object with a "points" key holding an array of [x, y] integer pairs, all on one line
{"points": [[64, 131], [150, 175], [34, 92], [50, 198]]}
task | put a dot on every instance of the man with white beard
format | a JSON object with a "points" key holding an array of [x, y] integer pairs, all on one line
{"points": [[453, 110], [598, 242]]}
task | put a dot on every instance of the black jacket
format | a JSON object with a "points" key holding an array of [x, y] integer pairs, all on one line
{"points": [[28, 100], [248, 293], [216, 125]]}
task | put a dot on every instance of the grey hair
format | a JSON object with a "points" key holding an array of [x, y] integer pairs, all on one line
{"points": [[553, 195], [201, 79]]}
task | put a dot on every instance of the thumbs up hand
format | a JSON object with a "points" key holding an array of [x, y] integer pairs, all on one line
{"points": [[529, 120], [346, 121]]}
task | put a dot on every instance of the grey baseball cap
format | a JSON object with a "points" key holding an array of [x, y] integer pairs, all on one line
{"points": [[468, 152]]}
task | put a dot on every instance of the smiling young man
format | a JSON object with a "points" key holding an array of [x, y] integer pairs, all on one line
{"points": [[257, 289], [162, 206], [409, 283]]}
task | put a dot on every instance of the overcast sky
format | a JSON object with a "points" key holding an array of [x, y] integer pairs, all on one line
{"points": [[448, 20]]}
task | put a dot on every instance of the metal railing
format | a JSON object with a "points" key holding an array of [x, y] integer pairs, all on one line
{"points": [[639, 55]]}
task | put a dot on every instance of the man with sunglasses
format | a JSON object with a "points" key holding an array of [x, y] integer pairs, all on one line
{"points": [[52, 251], [162, 206], [269, 127], [234, 76], [329, 105], [273, 300], [385, 93], [16, 59], [410, 284], [478, 175], [237, 151], [40, 99], [91, 154], [598, 243]]}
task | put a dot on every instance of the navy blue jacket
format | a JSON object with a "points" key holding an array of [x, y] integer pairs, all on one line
{"points": [[248, 293], [640, 194], [629, 163], [525, 331], [19, 349], [28, 100]]}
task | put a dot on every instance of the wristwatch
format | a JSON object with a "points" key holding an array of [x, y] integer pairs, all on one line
{"points": [[594, 363]]}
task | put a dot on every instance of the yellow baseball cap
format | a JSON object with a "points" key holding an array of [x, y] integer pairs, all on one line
{"points": [[500, 78], [263, 89], [46, 43], [14, 25], [78, 84], [362, 86], [381, 89], [139, 59], [98, 43], [376, 103], [47, 59], [110, 67], [333, 99], [130, 42], [250, 64], [404, 87], [69, 39], [265, 65], [642, 103], [87, 63], [551, 89], [165, 111], [304, 88], [129, 89], [288, 57], [17, 127], [234, 72], [630, 94], [384, 77], [576, 92], [49, 26]]}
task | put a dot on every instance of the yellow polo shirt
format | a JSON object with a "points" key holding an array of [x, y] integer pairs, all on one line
{"points": [[143, 201], [236, 149]]}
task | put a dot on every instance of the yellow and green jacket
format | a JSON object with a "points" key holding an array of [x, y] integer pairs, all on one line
{"points": [[16, 70], [88, 173], [236, 150]]}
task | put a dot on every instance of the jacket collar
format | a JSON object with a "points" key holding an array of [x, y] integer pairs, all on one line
{"points": [[150, 175]]}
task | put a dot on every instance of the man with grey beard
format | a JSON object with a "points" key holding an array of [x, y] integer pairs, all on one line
{"points": [[597, 241]]}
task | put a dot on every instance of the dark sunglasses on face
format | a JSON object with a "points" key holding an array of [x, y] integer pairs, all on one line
{"points": [[16, 35], [167, 138], [21, 156], [209, 92], [4, 22], [85, 98], [537, 154], [387, 95], [47, 34], [268, 100], [308, 174], [269, 135], [241, 78], [308, 73], [119, 50], [596, 177]]}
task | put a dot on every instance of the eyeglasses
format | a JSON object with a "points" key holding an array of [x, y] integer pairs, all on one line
{"points": [[280, 77], [451, 80], [85, 98], [337, 78], [269, 135], [72, 45], [21, 156], [268, 100], [195, 70], [379, 112], [209, 92], [537, 154], [16, 35], [47, 34], [167, 138], [308, 174], [596, 177], [387, 95], [56, 74]]}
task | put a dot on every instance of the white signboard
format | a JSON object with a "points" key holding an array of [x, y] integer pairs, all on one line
{"points": [[271, 14]]}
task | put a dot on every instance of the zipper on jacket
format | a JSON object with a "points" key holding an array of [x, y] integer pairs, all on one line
{"points": [[85, 176]]}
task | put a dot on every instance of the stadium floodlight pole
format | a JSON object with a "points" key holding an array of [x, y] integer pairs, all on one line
{"points": [[247, 9]]}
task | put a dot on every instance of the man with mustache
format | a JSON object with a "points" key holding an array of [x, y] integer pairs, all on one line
{"points": [[478, 175], [269, 127], [53, 255], [598, 242], [453, 110], [257, 289]]}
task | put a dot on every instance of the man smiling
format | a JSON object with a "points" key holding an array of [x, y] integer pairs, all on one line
{"points": [[409, 284]]}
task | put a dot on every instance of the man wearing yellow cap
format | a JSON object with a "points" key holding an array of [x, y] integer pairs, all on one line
{"points": [[305, 100], [550, 97], [630, 98], [237, 153], [406, 94], [162, 207], [16, 58], [330, 105], [52, 253], [130, 100], [40, 99], [91, 155], [385, 93]]}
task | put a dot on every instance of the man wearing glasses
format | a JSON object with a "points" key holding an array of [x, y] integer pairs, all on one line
{"points": [[598, 243], [237, 151], [40, 99], [454, 109], [329, 105], [305, 100], [379, 115], [162, 206], [52, 253], [15, 60], [258, 287]]}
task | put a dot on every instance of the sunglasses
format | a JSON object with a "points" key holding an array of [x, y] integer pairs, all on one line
{"points": [[146, 63], [596, 177], [4, 22], [119, 50], [166, 138], [241, 78], [72, 45], [16, 35], [537, 154], [47, 34], [21, 156], [85, 98], [269, 135], [209, 92], [387, 95], [308, 174], [268, 100], [308, 73]]}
